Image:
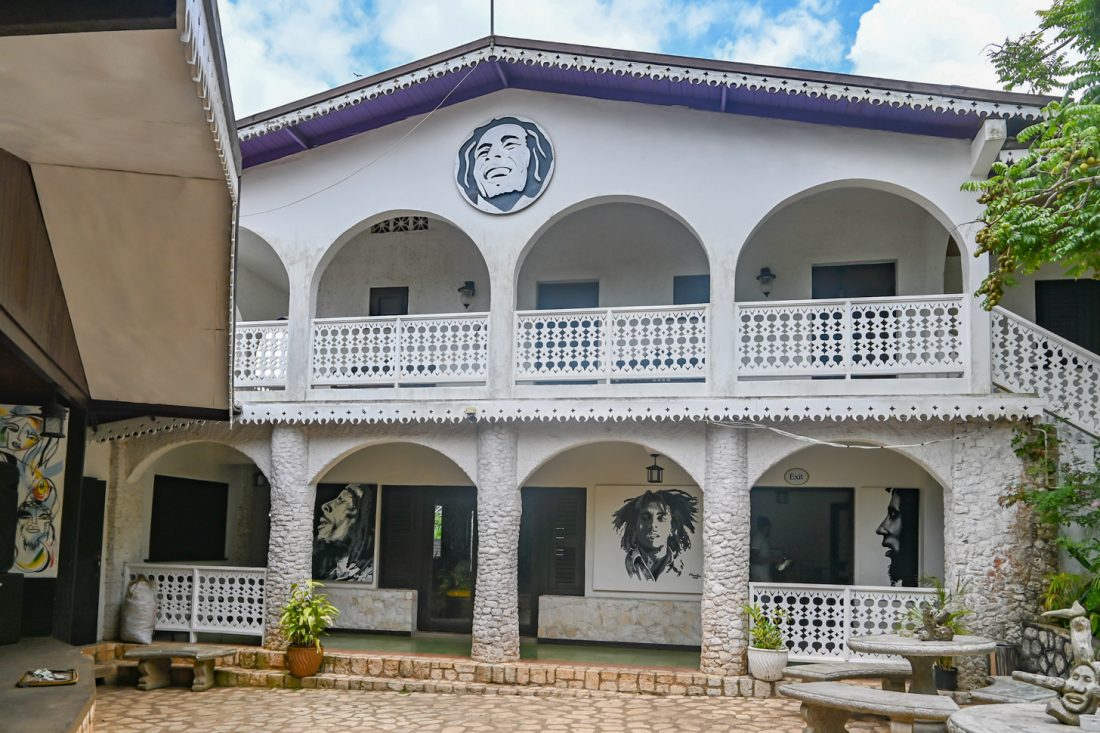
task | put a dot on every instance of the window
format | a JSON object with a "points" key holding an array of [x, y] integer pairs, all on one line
{"points": [[690, 289], [554, 296], [188, 522], [389, 301], [401, 224]]}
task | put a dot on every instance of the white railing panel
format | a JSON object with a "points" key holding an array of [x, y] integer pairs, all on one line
{"points": [[1029, 359], [924, 335], [260, 354], [637, 343], [821, 618], [400, 349], [195, 598]]}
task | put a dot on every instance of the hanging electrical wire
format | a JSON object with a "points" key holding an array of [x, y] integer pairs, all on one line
{"points": [[831, 443]]}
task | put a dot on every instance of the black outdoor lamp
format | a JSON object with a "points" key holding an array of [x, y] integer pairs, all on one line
{"points": [[655, 474], [466, 293], [766, 277], [53, 420]]}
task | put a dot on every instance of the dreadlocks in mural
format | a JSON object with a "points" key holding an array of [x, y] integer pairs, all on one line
{"points": [[41, 464], [656, 527]]}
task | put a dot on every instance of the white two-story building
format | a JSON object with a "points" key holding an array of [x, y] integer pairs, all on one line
{"points": [[595, 345]]}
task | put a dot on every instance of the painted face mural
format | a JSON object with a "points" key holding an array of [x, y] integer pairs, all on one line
{"points": [[898, 530], [40, 462], [343, 544], [655, 528], [504, 165]]}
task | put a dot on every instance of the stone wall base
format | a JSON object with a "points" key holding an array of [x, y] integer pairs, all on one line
{"points": [[373, 609], [625, 621], [1046, 649]]}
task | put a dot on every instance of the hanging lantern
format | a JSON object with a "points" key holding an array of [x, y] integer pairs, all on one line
{"points": [[655, 474], [53, 420]]}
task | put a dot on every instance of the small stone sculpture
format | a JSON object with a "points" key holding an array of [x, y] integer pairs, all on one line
{"points": [[1079, 694], [935, 628]]}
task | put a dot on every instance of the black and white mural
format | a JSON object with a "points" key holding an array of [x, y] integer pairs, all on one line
{"points": [[344, 518], [504, 165], [648, 539], [900, 533]]}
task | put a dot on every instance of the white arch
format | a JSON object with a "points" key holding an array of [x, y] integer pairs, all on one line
{"points": [[269, 248], [594, 201], [326, 455], [669, 448], [254, 451]]}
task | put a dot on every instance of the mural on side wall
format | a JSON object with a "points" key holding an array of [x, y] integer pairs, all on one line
{"points": [[648, 539], [343, 537], [504, 165], [900, 532], [41, 463]]}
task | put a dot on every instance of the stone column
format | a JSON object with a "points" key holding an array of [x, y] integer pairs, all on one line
{"points": [[995, 552], [496, 597], [124, 535], [726, 530], [290, 543]]}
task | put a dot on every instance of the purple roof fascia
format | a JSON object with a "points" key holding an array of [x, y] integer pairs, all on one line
{"points": [[489, 76]]}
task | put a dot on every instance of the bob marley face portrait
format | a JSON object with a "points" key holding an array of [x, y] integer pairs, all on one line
{"points": [[504, 165], [655, 528], [343, 539]]}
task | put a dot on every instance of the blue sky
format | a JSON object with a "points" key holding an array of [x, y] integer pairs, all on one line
{"points": [[282, 50]]}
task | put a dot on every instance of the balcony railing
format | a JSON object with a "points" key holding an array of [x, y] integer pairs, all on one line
{"points": [[915, 335], [213, 599], [398, 350], [621, 344], [259, 354]]}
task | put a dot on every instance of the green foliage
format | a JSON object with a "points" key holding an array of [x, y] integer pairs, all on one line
{"points": [[1045, 207], [943, 600], [1062, 495], [306, 615], [766, 632]]}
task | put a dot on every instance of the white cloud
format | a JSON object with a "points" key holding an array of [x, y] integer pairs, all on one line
{"points": [[939, 41], [802, 35], [279, 50]]}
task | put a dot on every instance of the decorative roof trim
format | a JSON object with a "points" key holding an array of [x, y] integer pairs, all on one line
{"points": [[775, 84], [809, 409], [137, 427], [201, 52]]}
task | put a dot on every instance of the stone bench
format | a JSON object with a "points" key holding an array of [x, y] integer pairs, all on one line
{"points": [[827, 706], [894, 675], [1008, 690], [155, 663]]}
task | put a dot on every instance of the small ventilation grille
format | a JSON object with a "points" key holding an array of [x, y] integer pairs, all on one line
{"points": [[401, 224]]}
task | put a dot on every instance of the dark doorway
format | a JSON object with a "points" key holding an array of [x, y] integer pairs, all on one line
{"points": [[429, 543], [188, 523], [813, 528], [555, 296], [1071, 309], [551, 549], [870, 280], [389, 301]]}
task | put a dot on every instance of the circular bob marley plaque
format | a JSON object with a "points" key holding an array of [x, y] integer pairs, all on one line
{"points": [[504, 165]]}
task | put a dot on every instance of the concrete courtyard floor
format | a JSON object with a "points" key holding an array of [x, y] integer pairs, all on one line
{"points": [[251, 710]]}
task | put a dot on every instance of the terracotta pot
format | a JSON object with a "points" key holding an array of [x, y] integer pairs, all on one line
{"points": [[303, 661], [767, 664]]}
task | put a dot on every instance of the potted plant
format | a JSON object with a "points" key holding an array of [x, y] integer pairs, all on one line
{"points": [[304, 618], [767, 650], [939, 618]]}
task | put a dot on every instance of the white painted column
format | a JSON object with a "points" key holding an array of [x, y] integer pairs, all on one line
{"points": [[299, 340], [721, 351], [502, 319], [981, 378], [290, 545], [995, 552], [726, 528], [496, 597]]}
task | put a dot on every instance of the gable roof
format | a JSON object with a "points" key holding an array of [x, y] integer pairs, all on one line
{"points": [[495, 63]]}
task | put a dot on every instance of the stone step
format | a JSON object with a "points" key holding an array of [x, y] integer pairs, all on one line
{"points": [[727, 687]]}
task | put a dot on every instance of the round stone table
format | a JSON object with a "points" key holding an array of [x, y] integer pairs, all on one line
{"points": [[1017, 718], [921, 654]]}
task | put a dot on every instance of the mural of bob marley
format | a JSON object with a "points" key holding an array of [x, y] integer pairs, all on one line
{"points": [[41, 465]]}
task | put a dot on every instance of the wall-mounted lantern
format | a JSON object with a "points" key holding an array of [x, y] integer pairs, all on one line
{"points": [[53, 420], [655, 474], [466, 293], [766, 277]]}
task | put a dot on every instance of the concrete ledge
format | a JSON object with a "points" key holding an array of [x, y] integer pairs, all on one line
{"points": [[63, 709], [372, 609], [622, 620]]}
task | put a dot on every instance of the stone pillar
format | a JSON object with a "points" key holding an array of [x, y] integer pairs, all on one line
{"points": [[123, 537], [496, 598], [726, 530], [290, 543], [996, 553]]}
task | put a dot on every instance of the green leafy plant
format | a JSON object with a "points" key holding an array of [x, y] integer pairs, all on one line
{"points": [[306, 615], [766, 631], [945, 605]]}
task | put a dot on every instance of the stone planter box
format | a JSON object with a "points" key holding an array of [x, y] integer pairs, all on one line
{"points": [[1046, 649]]}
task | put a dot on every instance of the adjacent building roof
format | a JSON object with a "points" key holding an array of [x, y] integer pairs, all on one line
{"points": [[495, 63]]}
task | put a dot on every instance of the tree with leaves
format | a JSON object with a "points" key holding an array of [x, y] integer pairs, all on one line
{"points": [[1045, 206]]}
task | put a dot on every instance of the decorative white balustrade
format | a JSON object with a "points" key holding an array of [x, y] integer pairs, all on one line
{"points": [[1030, 359], [259, 354], [395, 350], [213, 599], [627, 344], [925, 335], [821, 618]]}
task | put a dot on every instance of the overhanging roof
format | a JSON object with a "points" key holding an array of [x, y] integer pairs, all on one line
{"points": [[493, 64], [122, 110]]}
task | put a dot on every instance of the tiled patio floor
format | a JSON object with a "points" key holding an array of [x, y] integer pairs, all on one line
{"points": [[235, 710]]}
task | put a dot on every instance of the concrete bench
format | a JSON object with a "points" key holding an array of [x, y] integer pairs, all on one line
{"points": [[1008, 690], [894, 675], [827, 706], [155, 663]]}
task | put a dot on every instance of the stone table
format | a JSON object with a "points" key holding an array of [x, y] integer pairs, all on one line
{"points": [[921, 654], [1019, 718]]}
